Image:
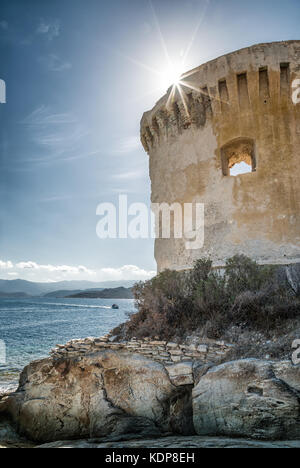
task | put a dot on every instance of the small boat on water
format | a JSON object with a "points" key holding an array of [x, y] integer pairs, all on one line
{"points": [[115, 306]]}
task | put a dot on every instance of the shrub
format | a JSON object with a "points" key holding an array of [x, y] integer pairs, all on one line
{"points": [[243, 274], [243, 294]]}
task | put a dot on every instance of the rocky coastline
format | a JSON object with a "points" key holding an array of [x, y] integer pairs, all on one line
{"points": [[96, 392]]}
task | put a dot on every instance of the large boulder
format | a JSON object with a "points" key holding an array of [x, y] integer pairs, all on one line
{"points": [[249, 398], [101, 394]]}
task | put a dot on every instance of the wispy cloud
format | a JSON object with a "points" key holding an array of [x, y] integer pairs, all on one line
{"points": [[49, 29], [43, 116], [34, 271], [126, 145], [54, 63], [57, 136], [129, 175]]}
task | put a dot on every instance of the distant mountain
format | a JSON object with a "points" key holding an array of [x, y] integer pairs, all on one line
{"points": [[15, 286], [68, 292], [62, 293], [16, 295], [39, 289], [109, 293]]}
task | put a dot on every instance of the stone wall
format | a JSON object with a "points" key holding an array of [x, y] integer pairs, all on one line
{"points": [[168, 353], [237, 107]]}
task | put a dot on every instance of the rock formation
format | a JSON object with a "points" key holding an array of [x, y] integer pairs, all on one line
{"points": [[249, 398], [115, 394], [105, 393], [175, 442]]}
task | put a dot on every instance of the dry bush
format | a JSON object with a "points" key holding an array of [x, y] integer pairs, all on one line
{"points": [[244, 295]]}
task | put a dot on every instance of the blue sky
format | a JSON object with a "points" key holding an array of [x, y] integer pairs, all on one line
{"points": [[79, 75]]}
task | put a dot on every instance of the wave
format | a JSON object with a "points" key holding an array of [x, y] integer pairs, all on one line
{"points": [[31, 324], [9, 387], [83, 306], [65, 304]]}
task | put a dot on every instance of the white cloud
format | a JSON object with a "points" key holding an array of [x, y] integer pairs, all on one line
{"points": [[5, 265], [23, 265], [49, 29], [32, 271], [55, 268], [132, 272]]}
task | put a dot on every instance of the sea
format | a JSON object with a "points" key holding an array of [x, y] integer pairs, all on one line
{"points": [[30, 328]]}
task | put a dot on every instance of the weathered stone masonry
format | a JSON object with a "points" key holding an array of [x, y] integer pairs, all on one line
{"points": [[177, 358], [237, 108]]}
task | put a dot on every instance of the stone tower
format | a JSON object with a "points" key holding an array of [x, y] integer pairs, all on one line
{"points": [[236, 108]]}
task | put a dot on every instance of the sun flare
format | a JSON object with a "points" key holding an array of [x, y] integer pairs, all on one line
{"points": [[172, 75]]}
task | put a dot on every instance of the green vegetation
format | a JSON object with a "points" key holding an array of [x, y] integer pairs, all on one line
{"points": [[210, 302]]}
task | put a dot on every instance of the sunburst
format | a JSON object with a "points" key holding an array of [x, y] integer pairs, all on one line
{"points": [[178, 87], [172, 77]]}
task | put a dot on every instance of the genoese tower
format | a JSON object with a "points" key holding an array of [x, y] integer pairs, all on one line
{"points": [[234, 112]]}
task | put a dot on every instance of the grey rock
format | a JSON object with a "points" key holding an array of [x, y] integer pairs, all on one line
{"points": [[117, 395], [176, 442], [247, 399], [106, 393], [181, 373]]}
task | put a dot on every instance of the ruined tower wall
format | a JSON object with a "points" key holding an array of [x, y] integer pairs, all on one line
{"points": [[245, 107]]}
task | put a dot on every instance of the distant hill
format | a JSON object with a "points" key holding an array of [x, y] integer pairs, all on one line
{"points": [[40, 289], [68, 292], [15, 295], [62, 293], [109, 293]]}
